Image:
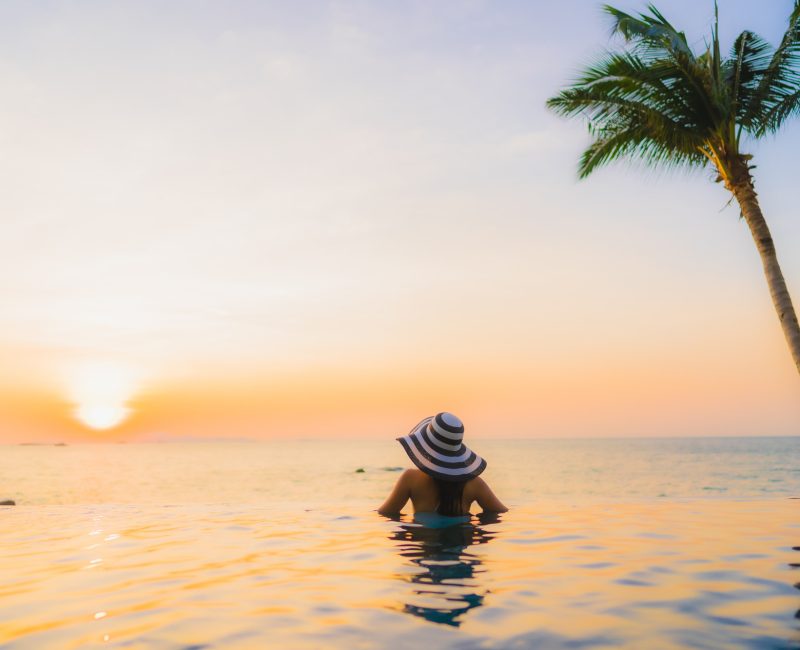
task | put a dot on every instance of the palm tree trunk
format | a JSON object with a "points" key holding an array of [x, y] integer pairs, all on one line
{"points": [[748, 202]]}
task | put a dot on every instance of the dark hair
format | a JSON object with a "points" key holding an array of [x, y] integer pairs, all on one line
{"points": [[451, 494]]}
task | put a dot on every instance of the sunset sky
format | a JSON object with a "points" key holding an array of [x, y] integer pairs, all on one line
{"points": [[264, 219]]}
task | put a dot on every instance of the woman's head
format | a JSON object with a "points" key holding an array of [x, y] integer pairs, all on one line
{"points": [[436, 446]]}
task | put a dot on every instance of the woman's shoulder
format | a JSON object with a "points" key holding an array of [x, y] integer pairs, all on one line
{"points": [[414, 475], [476, 482], [475, 485]]}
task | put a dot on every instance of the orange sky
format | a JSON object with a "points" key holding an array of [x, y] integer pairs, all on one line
{"points": [[648, 392]]}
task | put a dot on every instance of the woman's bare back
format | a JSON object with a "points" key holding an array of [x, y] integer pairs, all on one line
{"points": [[421, 489]]}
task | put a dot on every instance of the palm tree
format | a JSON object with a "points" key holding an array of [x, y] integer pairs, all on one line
{"points": [[658, 100]]}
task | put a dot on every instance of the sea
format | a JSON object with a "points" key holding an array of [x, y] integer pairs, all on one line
{"points": [[644, 543]]}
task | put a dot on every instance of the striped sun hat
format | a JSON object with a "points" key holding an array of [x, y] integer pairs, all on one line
{"points": [[435, 446]]}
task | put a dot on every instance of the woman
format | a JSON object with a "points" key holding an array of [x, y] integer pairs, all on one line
{"points": [[447, 480]]}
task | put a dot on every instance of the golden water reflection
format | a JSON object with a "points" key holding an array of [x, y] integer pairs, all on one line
{"points": [[698, 573], [446, 572]]}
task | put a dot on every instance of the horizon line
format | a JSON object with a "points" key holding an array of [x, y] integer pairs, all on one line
{"points": [[64, 443]]}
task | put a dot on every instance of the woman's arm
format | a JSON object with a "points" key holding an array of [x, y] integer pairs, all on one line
{"points": [[486, 498], [399, 496]]}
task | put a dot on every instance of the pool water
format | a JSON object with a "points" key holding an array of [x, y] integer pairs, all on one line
{"points": [[688, 574]]}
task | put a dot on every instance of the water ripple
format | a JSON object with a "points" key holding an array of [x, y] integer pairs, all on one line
{"points": [[275, 576]]}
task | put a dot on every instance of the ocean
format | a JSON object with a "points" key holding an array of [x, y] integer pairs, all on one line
{"points": [[613, 543]]}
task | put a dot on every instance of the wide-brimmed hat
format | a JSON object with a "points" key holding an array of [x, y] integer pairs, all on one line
{"points": [[436, 447]]}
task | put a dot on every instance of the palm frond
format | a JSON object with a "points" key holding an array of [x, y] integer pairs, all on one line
{"points": [[789, 106], [776, 96], [716, 62], [624, 142], [654, 39], [660, 85], [650, 32], [650, 102], [625, 76], [742, 74]]}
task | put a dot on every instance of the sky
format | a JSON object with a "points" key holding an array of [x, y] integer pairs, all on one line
{"points": [[317, 219]]}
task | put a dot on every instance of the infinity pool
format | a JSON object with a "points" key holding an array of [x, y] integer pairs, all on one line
{"points": [[690, 573]]}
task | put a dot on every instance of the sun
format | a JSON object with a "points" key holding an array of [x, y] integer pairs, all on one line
{"points": [[102, 416], [100, 392]]}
